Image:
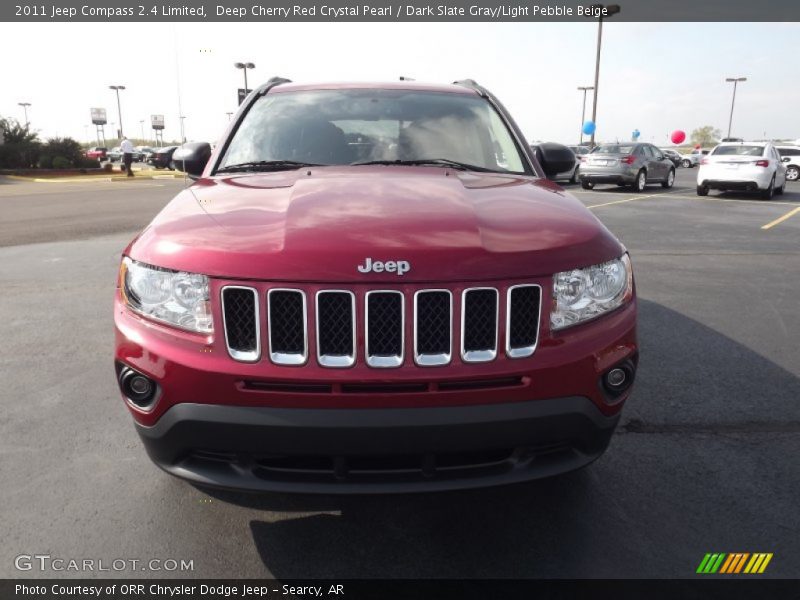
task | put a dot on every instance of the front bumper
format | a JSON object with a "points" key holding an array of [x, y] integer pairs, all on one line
{"points": [[265, 427], [376, 450]]}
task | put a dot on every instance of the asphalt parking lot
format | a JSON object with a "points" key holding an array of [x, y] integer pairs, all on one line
{"points": [[705, 459]]}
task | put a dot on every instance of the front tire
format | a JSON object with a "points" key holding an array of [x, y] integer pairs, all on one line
{"points": [[702, 190], [670, 180], [686, 163], [792, 173], [587, 185], [768, 193], [641, 181]]}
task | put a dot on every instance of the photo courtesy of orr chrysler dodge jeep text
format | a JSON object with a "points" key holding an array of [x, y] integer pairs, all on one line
{"points": [[374, 288]]}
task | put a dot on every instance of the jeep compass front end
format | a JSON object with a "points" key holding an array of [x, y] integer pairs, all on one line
{"points": [[374, 288]]}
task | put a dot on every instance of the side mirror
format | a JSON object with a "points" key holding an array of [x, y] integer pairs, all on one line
{"points": [[191, 158], [554, 158], [787, 159]]}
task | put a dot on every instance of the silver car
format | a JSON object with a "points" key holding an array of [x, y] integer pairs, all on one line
{"points": [[634, 164]]}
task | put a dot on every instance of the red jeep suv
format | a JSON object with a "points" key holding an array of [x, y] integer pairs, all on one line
{"points": [[372, 288]]}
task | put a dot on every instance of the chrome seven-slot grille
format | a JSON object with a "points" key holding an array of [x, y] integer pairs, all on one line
{"points": [[382, 323]]}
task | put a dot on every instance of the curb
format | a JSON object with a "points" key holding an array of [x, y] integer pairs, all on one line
{"points": [[88, 179]]}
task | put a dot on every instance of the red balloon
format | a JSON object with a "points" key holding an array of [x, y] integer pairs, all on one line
{"points": [[697, 147], [678, 136]]}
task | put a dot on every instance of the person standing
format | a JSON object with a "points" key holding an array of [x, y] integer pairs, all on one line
{"points": [[127, 155]]}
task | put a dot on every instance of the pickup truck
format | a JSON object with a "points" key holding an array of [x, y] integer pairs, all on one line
{"points": [[96, 152]]}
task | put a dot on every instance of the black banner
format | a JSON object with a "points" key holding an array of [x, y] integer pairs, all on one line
{"points": [[397, 10], [703, 587]]}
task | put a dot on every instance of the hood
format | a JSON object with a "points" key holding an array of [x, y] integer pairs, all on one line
{"points": [[319, 224]]}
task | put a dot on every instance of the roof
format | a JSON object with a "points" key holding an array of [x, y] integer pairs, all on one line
{"points": [[389, 85]]}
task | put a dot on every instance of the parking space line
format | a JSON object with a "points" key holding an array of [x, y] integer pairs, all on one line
{"points": [[772, 224], [624, 200]]}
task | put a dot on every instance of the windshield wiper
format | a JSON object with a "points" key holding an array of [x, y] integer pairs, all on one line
{"points": [[266, 165], [443, 162]]}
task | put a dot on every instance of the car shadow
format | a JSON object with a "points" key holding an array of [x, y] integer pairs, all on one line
{"points": [[788, 197], [629, 514]]}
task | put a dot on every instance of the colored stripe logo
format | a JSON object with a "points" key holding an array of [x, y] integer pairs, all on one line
{"points": [[734, 563]]}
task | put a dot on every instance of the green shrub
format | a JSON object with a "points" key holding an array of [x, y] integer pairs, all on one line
{"points": [[87, 163], [21, 148], [45, 161], [59, 162], [65, 148]]}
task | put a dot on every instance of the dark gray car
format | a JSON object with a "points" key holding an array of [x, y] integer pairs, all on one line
{"points": [[634, 164]]}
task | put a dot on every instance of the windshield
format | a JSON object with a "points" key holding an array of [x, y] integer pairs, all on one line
{"points": [[739, 151], [343, 127], [613, 149]]}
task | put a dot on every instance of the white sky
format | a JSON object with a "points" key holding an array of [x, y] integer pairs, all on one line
{"points": [[656, 77]]}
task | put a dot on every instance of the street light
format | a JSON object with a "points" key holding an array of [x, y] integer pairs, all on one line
{"points": [[117, 88], [141, 124], [244, 67], [735, 81], [25, 106], [607, 11], [183, 131], [584, 89]]}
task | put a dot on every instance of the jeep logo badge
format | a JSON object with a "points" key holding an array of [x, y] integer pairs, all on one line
{"points": [[390, 266]]}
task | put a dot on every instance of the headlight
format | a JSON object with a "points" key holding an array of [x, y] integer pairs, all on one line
{"points": [[583, 294], [174, 297]]}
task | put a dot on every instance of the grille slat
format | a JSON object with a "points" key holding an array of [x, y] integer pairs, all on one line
{"points": [[384, 328], [479, 325], [336, 328], [288, 338], [241, 322], [522, 320], [433, 323]]}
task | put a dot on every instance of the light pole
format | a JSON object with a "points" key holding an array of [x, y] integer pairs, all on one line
{"points": [[244, 66], [117, 88], [25, 106], [183, 130], [583, 112], [141, 124], [735, 81], [607, 12]]}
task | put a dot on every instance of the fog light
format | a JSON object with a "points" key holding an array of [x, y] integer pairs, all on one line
{"points": [[140, 385], [138, 388], [618, 379]]}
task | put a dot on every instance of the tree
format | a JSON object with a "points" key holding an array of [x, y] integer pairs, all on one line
{"points": [[21, 145], [706, 136]]}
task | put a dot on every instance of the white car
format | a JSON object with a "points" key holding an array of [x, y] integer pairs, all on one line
{"points": [[742, 166], [791, 159], [692, 160]]}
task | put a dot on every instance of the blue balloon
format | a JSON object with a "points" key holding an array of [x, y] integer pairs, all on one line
{"points": [[589, 127], [636, 134]]}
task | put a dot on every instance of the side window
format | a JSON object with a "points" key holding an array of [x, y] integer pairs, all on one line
{"points": [[647, 152]]}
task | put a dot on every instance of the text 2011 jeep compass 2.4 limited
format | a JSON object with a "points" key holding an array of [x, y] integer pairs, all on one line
{"points": [[373, 287]]}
